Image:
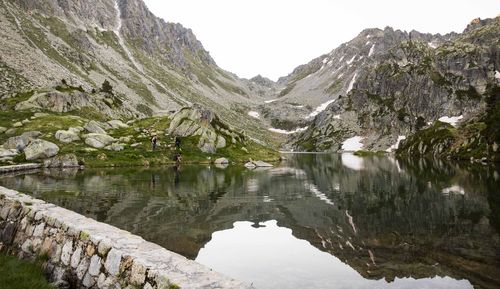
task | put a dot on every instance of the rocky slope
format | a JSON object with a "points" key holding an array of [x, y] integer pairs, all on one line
{"points": [[152, 66], [385, 85]]}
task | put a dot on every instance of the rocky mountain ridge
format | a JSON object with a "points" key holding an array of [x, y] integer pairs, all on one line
{"points": [[385, 85]]}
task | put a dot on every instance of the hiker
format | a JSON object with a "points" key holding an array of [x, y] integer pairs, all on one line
{"points": [[154, 141], [177, 143]]}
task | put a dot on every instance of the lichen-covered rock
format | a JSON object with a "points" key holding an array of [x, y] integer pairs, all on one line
{"points": [[8, 153], [94, 127], [67, 136], [115, 147], [116, 124], [21, 142], [40, 149], [98, 141], [64, 161]]}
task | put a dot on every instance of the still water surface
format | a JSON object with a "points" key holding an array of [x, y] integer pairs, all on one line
{"points": [[315, 221]]}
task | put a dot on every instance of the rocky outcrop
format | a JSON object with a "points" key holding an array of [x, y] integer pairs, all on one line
{"points": [[212, 132], [397, 84], [40, 149]]}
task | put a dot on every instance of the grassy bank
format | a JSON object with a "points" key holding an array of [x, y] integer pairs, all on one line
{"points": [[137, 149], [21, 274]]}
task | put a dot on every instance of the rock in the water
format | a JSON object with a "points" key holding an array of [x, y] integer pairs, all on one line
{"points": [[65, 161], [257, 164], [21, 142], [67, 136], [98, 141], [94, 127], [250, 165], [221, 161], [8, 153], [116, 124], [40, 149]]}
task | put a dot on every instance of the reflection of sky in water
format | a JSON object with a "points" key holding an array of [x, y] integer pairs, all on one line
{"points": [[271, 257]]}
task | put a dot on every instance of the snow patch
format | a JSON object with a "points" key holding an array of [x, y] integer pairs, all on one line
{"points": [[351, 84], [372, 49], [120, 38], [352, 144], [396, 145], [456, 189], [320, 108], [497, 74], [270, 101], [282, 131], [431, 45], [352, 162], [451, 120], [325, 60], [351, 60], [337, 116], [254, 114], [368, 36]]}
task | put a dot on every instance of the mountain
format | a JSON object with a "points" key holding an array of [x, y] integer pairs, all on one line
{"points": [[385, 85], [152, 66]]}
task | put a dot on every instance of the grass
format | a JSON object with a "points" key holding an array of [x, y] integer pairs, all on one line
{"points": [[20, 274]]}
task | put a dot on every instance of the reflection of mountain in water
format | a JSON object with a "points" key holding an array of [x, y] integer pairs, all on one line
{"points": [[385, 218]]}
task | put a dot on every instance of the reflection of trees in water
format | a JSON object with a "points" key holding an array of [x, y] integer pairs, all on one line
{"points": [[389, 218]]}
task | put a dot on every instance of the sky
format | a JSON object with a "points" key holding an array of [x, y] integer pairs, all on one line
{"points": [[273, 37]]}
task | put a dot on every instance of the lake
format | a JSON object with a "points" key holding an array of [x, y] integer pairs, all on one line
{"points": [[314, 221]]}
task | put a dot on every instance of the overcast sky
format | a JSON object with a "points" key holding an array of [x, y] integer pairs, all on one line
{"points": [[272, 37]]}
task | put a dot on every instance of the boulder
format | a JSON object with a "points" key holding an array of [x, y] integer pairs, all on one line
{"points": [[115, 147], [94, 127], [65, 161], [40, 149], [221, 161], [97, 140], [21, 142], [257, 164], [67, 136], [3, 129], [134, 145], [17, 124], [250, 165], [116, 124], [221, 142], [8, 153]]}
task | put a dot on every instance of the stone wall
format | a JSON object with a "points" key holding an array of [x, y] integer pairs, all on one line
{"points": [[84, 253]]}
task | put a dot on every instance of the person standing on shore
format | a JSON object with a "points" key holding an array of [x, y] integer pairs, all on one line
{"points": [[154, 142]]}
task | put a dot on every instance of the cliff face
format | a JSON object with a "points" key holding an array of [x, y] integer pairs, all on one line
{"points": [[385, 85]]}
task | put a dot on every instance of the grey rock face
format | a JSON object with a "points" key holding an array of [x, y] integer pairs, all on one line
{"points": [[94, 127], [385, 84], [98, 141], [22, 141], [64, 161], [67, 136], [40, 149], [198, 121]]}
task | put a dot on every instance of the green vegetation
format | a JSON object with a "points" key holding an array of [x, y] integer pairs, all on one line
{"points": [[363, 153], [20, 274]]}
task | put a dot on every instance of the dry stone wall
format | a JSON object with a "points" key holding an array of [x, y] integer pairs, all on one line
{"points": [[83, 253]]}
